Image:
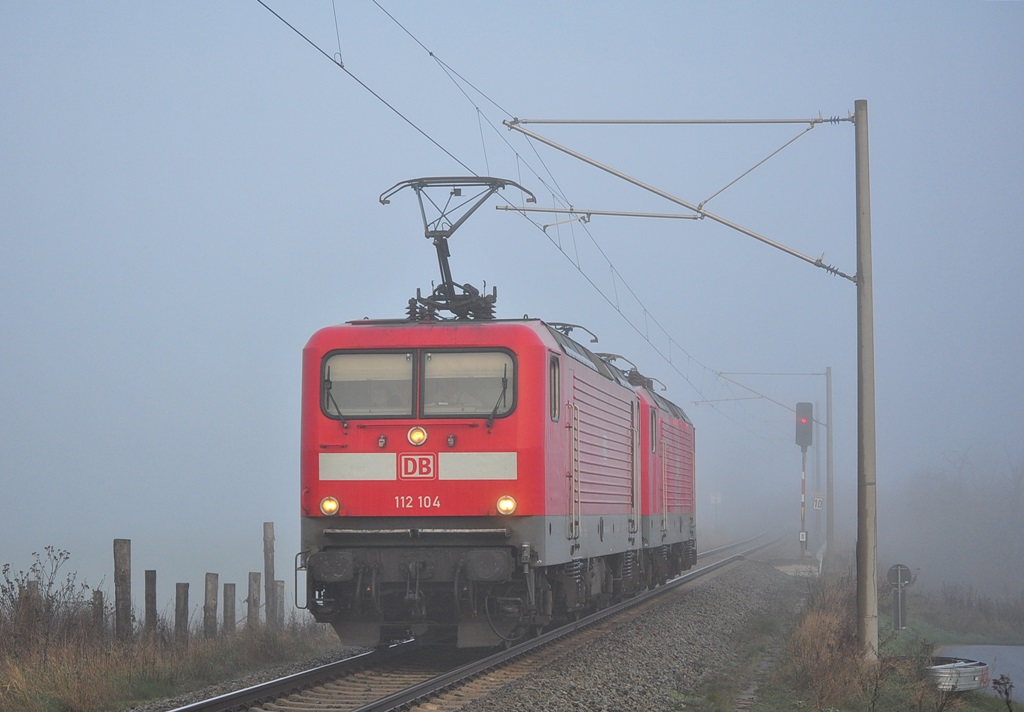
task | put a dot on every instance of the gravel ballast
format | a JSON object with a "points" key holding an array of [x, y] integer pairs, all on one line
{"points": [[661, 661], [668, 654]]}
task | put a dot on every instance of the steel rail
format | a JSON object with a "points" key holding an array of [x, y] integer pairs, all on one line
{"points": [[275, 689], [423, 691], [720, 549]]}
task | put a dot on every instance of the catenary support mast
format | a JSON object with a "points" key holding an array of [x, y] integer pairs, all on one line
{"points": [[867, 529]]}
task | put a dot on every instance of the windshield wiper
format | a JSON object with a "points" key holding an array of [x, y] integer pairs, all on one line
{"points": [[501, 397], [330, 398]]}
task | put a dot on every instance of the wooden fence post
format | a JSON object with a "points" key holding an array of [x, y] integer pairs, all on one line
{"points": [[229, 608], [253, 614], [279, 603], [28, 618], [268, 571], [150, 601], [123, 588], [210, 606], [181, 613], [99, 619]]}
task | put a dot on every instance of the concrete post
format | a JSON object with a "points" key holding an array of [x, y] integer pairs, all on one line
{"points": [[867, 514]]}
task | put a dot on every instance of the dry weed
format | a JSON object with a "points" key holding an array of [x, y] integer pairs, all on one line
{"points": [[822, 656]]}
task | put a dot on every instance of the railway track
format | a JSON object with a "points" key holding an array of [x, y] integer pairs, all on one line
{"points": [[409, 677]]}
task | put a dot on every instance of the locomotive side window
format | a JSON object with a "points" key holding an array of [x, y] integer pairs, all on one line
{"points": [[367, 385], [479, 383], [553, 381], [654, 429]]}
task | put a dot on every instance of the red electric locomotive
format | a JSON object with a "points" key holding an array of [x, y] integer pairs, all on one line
{"points": [[469, 481]]}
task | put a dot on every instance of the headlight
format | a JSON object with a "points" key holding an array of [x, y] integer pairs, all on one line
{"points": [[506, 505], [417, 436], [329, 506]]}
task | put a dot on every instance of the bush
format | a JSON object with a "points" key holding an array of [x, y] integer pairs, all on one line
{"points": [[822, 658], [39, 608], [824, 667]]}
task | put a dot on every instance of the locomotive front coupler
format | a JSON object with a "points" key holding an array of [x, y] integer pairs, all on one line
{"points": [[413, 569]]}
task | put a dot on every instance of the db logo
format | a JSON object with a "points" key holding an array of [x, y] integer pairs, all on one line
{"points": [[417, 466]]}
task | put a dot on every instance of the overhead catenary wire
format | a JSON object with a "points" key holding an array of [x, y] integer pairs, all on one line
{"points": [[667, 354], [447, 69], [583, 217], [611, 301], [361, 83]]}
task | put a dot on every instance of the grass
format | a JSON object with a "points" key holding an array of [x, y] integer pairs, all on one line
{"points": [[822, 668], [87, 676], [817, 662], [960, 614], [57, 654]]}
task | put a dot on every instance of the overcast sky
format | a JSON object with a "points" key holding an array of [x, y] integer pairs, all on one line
{"points": [[189, 190]]}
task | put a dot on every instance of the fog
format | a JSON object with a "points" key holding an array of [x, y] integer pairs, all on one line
{"points": [[958, 524], [190, 190]]}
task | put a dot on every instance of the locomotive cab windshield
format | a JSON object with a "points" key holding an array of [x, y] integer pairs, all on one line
{"points": [[467, 383], [361, 384], [427, 383]]}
